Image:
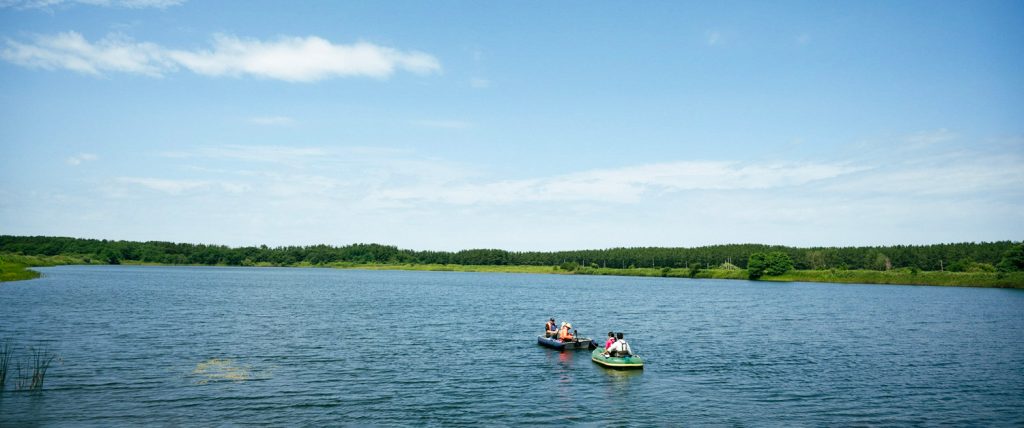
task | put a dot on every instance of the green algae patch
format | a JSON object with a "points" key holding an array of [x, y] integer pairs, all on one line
{"points": [[218, 369]]}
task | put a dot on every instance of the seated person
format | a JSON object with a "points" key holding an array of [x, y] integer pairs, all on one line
{"points": [[619, 349], [563, 333], [550, 328], [610, 341]]}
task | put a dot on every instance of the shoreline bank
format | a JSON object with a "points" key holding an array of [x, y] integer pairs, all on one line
{"points": [[15, 267]]}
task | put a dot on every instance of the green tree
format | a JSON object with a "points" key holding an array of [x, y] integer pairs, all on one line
{"points": [[816, 259], [756, 265], [961, 265], [875, 260], [569, 266], [1013, 260], [694, 269], [111, 257], [778, 263]]}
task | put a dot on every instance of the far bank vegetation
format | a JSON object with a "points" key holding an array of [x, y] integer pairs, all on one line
{"points": [[993, 264]]}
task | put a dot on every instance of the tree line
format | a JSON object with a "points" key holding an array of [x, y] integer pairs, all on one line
{"points": [[967, 256]]}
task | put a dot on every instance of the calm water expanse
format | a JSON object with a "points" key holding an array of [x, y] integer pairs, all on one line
{"points": [[214, 346]]}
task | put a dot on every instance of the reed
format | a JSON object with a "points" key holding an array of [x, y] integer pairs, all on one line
{"points": [[39, 362], [5, 362]]}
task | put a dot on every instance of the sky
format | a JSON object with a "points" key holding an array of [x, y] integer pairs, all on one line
{"points": [[529, 125]]}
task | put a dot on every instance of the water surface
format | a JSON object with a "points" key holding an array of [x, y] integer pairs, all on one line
{"points": [[214, 346]]}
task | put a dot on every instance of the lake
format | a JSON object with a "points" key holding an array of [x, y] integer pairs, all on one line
{"points": [[289, 346]]}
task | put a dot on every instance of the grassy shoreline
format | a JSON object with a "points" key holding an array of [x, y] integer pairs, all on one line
{"points": [[16, 267]]}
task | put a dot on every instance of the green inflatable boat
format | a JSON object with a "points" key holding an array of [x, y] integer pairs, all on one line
{"points": [[632, 362]]}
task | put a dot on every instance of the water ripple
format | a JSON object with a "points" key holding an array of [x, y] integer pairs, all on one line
{"points": [[227, 346]]}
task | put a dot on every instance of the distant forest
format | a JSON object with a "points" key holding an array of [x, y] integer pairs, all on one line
{"points": [[950, 257]]}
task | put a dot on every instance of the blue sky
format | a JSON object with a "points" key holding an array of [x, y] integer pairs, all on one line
{"points": [[517, 125]]}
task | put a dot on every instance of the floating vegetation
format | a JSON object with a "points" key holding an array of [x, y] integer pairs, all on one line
{"points": [[219, 369]]}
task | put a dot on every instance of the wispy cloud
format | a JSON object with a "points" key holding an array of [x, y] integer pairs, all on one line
{"points": [[178, 187], [365, 193], [292, 59], [272, 120], [479, 83], [946, 175], [714, 38], [927, 138], [173, 187], [265, 154], [80, 158], [128, 4], [626, 185], [443, 124], [72, 52]]}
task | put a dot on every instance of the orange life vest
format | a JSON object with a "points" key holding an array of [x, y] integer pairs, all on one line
{"points": [[564, 334]]}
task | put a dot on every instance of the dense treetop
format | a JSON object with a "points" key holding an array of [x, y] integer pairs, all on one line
{"points": [[955, 256]]}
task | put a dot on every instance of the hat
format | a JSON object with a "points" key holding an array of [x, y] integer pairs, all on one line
{"points": [[551, 319], [567, 325]]}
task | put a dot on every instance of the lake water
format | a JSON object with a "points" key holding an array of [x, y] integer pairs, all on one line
{"points": [[215, 346]]}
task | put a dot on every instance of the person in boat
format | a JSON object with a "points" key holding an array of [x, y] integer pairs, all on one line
{"points": [[563, 333], [618, 349], [550, 328], [611, 339]]}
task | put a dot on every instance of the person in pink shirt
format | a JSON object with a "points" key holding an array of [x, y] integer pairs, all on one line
{"points": [[610, 341]]}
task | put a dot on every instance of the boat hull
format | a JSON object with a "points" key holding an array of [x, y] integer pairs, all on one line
{"points": [[619, 363], [581, 343]]}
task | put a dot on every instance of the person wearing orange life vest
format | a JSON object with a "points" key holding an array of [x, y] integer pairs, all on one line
{"points": [[550, 328], [563, 333]]}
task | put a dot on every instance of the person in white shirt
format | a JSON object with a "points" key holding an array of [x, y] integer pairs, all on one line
{"points": [[619, 349]]}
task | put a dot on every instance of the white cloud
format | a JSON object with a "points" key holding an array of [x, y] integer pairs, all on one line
{"points": [[397, 196], [293, 59], [71, 51], [128, 4], [625, 185], [927, 138], [713, 38], [272, 120], [945, 176], [80, 158], [444, 124], [177, 187], [300, 59], [268, 154], [173, 187], [479, 83]]}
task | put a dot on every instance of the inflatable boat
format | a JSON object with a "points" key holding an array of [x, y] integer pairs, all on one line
{"points": [[632, 362], [577, 343]]}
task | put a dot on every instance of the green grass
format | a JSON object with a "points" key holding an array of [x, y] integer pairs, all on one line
{"points": [[895, 277], [16, 272], [906, 277], [14, 267], [449, 268]]}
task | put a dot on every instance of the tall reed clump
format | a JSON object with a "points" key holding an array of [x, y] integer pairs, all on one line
{"points": [[5, 362], [38, 364]]}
